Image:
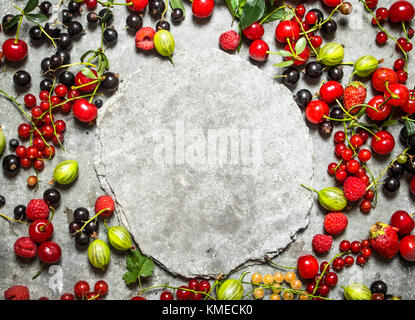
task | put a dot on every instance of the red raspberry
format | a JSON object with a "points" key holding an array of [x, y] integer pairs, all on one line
{"points": [[25, 247], [322, 243], [354, 188], [229, 40], [105, 202], [17, 293], [37, 209], [144, 38], [335, 223]]}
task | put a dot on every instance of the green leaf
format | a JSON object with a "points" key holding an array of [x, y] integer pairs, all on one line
{"points": [[137, 266], [11, 23], [284, 53], [284, 64], [252, 12], [178, 4], [233, 7], [410, 126], [288, 15], [275, 14], [30, 6], [389, 123], [300, 46], [36, 17], [88, 73], [87, 54]]}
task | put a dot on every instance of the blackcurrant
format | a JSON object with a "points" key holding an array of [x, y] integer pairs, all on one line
{"points": [[313, 70], [110, 36], [403, 136], [378, 287], [45, 64], [52, 196], [65, 41], [319, 14], [64, 55], [55, 62], [66, 16], [92, 17], [52, 32], [13, 143], [410, 164], [98, 103], [303, 97], [35, 33], [74, 226], [326, 127], [19, 212], [75, 28], [6, 19], [177, 15], [134, 22], [162, 25], [335, 73], [44, 7], [11, 163], [391, 184], [396, 170], [290, 76], [92, 227], [156, 8], [67, 78], [110, 81], [22, 78], [2, 201], [81, 214], [82, 239], [336, 113], [46, 84], [105, 16], [74, 6], [329, 28]]}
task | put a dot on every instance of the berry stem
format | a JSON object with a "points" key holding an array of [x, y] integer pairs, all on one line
{"points": [[311, 189], [271, 13], [18, 29], [325, 269], [13, 220], [306, 35], [279, 266], [175, 288], [39, 271], [95, 216]]}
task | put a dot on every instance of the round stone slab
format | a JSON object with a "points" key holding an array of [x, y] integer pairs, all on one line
{"points": [[205, 160]]}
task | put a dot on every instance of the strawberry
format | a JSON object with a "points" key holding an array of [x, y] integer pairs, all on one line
{"points": [[144, 38], [354, 94], [384, 239], [105, 202], [17, 293]]}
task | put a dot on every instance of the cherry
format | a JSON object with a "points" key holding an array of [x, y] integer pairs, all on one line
{"points": [[355, 246], [316, 111], [409, 107], [307, 266], [101, 288], [383, 142], [49, 252], [258, 50], [84, 111], [397, 95], [331, 91], [183, 294], [166, 295], [403, 221], [407, 247], [83, 80], [383, 109], [67, 296], [81, 289], [137, 5], [204, 286], [14, 51], [331, 279], [202, 8], [254, 31], [40, 230], [401, 11], [382, 76], [287, 29]]}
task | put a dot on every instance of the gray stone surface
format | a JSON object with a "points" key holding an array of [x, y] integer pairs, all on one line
{"points": [[201, 207], [358, 37]]}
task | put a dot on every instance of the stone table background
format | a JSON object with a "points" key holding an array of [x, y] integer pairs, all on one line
{"points": [[358, 37]]}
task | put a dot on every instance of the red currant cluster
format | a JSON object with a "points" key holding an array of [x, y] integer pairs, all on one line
{"points": [[357, 247], [82, 291], [183, 293], [322, 283]]}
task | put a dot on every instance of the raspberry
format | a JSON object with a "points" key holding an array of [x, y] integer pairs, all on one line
{"points": [[17, 293], [144, 38], [354, 188], [25, 247], [105, 202], [335, 223], [37, 209], [322, 243], [229, 40]]}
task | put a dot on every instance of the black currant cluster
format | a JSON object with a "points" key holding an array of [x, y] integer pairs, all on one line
{"points": [[80, 217], [379, 291]]}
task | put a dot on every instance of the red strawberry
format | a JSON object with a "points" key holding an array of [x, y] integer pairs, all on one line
{"points": [[144, 38], [37, 209], [25, 247], [322, 243], [354, 94], [384, 239], [354, 188], [17, 293], [335, 223], [105, 202]]}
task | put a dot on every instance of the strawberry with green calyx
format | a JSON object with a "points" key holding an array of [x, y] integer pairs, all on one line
{"points": [[354, 94], [384, 239]]}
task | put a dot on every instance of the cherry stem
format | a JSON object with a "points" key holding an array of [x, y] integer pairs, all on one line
{"points": [[271, 13], [18, 29], [13, 220], [39, 271], [42, 228]]}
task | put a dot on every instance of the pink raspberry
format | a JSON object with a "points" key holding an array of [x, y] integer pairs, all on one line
{"points": [[17, 293], [37, 209], [335, 223], [229, 40], [25, 247], [322, 243]]}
